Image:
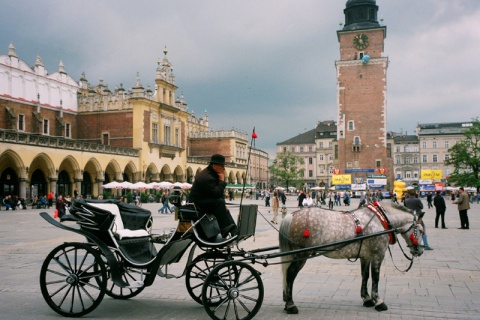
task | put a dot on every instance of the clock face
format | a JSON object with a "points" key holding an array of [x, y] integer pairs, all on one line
{"points": [[360, 41]]}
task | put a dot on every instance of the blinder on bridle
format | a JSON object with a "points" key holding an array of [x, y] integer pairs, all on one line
{"points": [[414, 236]]}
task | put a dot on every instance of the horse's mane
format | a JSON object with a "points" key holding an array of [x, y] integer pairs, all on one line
{"points": [[397, 206]]}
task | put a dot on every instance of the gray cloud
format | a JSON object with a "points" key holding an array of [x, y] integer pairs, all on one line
{"points": [[268, 64]]}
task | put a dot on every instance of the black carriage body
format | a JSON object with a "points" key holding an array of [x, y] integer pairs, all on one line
{"points": [[99, 225]]}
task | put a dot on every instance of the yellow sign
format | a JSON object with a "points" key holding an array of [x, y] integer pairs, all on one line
{"points": [[431, 174], [342, 179]]}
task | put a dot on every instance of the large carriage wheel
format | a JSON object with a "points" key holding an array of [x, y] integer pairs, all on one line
{"points": [[73, 279], [197, 272], [233, 290], [130, 275]]}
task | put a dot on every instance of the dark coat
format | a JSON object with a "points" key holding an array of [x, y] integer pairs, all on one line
{"points": [[414, 204], [439, 203], [207, 185]]}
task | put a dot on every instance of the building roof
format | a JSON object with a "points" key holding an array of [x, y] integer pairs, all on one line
{"points": [[410, 138], [308, 137], [442, 128], [303, 138]]}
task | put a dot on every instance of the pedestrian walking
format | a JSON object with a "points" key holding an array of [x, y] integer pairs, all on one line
{"points": [[429, 200], [275, 206]]}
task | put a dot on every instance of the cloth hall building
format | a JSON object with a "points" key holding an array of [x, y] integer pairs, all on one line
{"points": [[57, 134]]}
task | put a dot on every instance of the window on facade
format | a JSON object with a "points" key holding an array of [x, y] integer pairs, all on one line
{"points": [[406, 149], [320, 157], [356, 141], [447, 144], [320, 144], [45, 126], [177, 138], [336, 151], [155, 132], [167, 132], [310, 148], [378, 163], [284, 149], [434, 144], [424, 144], [330, 144], [407, 160], [105, 139], [424, 158], [301, 149], [293, 149], [389, 150], [21, 122], [310, 173], [330, 157], [447, 157], [351, 127], [67, 130], [434, 158], [408, 174], [415, 148], [398, 149], [415, 159], [397, 160], [310, 160], [415, 174]]}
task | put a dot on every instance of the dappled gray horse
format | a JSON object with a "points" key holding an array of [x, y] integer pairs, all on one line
{"points": [[316, 226]]}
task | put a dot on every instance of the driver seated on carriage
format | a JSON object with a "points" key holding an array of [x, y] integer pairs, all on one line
{"points": [[207, 193]]}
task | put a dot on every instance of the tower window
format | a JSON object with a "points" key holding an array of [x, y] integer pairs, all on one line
{"points": [[351, 125]]}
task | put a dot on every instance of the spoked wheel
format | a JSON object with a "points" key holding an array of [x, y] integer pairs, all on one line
{"points": [[73, 279], [197, 272], [131, 275], [233, 290]]}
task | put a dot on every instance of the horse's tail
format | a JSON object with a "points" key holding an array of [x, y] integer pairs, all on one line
{"points": [[285, 245]]}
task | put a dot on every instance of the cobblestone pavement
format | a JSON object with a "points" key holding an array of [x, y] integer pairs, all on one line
{"points": [[442, 284]]}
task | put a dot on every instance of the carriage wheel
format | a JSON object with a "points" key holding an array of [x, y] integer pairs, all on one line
{"points": [[73, 279], [197, 272], [233, 290], [130, 275]]}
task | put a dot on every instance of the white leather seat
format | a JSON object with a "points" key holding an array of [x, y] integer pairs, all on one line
{"points": [[118, 227]]}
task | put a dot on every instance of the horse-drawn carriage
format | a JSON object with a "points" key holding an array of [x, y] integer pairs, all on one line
{"points": [[122, 256]]}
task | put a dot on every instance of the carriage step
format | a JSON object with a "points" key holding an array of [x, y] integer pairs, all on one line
{"points": [[136, 284]]}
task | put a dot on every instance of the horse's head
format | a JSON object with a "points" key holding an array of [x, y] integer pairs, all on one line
{"points": [[412, 233]]}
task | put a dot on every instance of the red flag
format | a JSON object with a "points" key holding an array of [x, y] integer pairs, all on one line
{"points": [[254, 135]]}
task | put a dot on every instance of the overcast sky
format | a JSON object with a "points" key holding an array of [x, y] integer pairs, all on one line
{"points": [[264, 64]]}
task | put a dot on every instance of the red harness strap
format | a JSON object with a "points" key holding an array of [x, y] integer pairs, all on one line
{"points": [[383, 219]]}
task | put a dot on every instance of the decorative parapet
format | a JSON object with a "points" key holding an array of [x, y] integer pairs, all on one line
{"points": [[220, 134], [206, 160], [62, 143]]}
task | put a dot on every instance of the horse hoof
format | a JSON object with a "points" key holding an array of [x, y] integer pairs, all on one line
{"points": [[381, 307], [292, 310], [368, 303]]}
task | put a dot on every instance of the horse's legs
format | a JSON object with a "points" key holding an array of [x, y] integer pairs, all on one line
{"points": [[367, 300], [291, 273], [379, 304]]}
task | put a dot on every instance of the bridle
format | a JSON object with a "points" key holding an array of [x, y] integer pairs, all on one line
{"points": [[380, 213], [413, 242]]}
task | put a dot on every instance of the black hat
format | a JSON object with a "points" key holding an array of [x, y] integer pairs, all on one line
{"points": [[217, 159]]}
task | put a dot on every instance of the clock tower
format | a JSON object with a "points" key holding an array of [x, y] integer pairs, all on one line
{"points": [[361, 93]]}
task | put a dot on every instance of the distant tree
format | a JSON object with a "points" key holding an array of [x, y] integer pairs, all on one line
{"points": [[286, 171], [465, 157]]}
